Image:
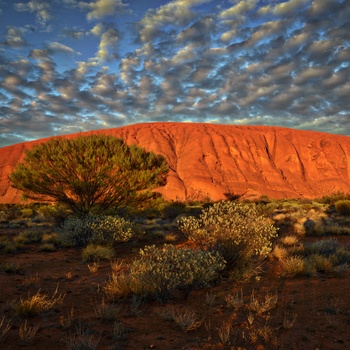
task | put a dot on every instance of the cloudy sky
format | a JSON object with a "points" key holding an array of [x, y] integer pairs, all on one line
{"points": [[76, 65]]}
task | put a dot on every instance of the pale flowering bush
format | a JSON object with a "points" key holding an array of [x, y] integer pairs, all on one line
{"points": [[98, 229], [237, 231], [157, 271]]}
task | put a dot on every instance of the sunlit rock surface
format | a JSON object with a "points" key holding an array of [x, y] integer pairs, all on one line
{"points": [[209, 161]]}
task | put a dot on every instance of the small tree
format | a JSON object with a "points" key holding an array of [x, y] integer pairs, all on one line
{"points": [[90, 172]]}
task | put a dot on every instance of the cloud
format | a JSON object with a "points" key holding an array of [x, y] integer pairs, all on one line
{"points": [[101, 8], [15, 37], [174, 13], [42, 10], [282, 63], [290, 7], [57, 47], [240, 9]]}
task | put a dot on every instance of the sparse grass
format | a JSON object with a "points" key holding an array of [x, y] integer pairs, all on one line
{"points": [[81, 339], [67, 321], [107, 312], [235, 300], [27, 332], [224, 332], [268, 303], [186, 319], [119, 331], [210, 298], [5, 326], [37, 303]]}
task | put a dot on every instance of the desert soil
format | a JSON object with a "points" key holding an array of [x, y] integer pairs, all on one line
{"points": [[321, 306]]}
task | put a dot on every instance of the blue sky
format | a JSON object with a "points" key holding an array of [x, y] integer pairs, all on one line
{"points": [[77, 65]]}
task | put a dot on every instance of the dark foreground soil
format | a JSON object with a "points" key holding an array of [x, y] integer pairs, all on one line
{"points": [[320, 306]]}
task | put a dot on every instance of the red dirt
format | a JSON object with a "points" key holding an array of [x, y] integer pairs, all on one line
{"points": [[209, 160], [321, 305]]}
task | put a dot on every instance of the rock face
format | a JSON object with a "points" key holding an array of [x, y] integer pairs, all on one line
{"points": [[209, 161]]}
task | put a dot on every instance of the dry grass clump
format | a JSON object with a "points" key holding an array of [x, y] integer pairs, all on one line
{"points": [[37, 303], [289, 240], [292, 266], [265, 305], [94, 252], [186, 319]]}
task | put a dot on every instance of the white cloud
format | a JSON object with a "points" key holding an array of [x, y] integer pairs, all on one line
{"points": [[97, 29], [108, 43], [58, 47], [102, 8], [240, 9], [174, 13], [288, 7]]}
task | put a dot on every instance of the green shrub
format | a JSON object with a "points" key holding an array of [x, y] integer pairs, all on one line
{"points": [[343, 207], [237, 231], [158, 271], [94, 252], [98, 229], [110, 229]]}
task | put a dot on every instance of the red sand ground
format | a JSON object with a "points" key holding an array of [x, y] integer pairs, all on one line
{"points": [[320, 304]]}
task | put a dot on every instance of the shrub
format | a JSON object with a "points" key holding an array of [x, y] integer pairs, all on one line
{"points": [[237, 231], [94, 252], [92, 172], [98, 229], [158, 271], [343, 207]]}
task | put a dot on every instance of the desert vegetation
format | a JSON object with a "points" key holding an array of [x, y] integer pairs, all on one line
{"points": [[110, 265], [247, 274]]}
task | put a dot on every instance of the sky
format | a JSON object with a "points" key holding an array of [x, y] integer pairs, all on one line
{"points": [[68, 66]]}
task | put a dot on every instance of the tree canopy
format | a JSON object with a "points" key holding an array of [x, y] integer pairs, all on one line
{"points": [[90, 172]]}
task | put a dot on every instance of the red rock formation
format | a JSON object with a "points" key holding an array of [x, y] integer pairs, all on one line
{"points": [[209, 160]]}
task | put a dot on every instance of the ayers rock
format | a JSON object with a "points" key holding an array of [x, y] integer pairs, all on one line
{"points": [[208, 161]]}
